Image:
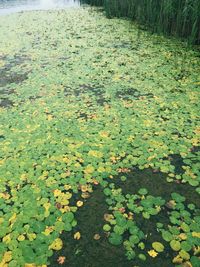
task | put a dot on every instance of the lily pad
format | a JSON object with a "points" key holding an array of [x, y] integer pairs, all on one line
{"points": [[158, 246], [115, 239], [175, 245]]}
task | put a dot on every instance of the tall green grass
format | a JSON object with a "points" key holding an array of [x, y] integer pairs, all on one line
{"points": [[171, 17]]}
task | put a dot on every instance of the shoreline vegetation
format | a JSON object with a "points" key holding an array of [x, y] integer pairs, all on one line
{"points": [[179, 18]]}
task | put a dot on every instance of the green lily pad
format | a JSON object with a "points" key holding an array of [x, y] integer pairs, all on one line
{"points": [[106, 227], [184, 255], [175, 245], [142, 257], [115, 239], [186, 246], [158, 246], [143, 191]]}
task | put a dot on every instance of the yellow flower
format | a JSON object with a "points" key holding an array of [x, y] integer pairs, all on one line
{"points": [[152, 253]]}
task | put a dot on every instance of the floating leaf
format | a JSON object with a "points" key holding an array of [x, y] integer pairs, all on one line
{"points": [[77, 235], [79, 203], [184, 255], [175, 245], [143, 191], [57, 244], [115, 239], [158, 246], [167, 236], [21, 237], [142, 257], [106, 227]]}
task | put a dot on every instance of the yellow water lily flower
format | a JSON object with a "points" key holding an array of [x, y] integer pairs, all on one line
{"points": [[152, 253]]}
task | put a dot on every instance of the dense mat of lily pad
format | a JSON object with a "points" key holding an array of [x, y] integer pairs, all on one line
{"points": [[85, 100]]}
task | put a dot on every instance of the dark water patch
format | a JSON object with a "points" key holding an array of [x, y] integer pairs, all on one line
{"points": [[195, 149], [151, 233], [123, 45], [177, 162], [82, 90], [2, 138], [6, 103], [83, 115], [7, 76], [156, 184], [88, 252], [7, 91], [132, 93], [95, 90], [35, 97]]}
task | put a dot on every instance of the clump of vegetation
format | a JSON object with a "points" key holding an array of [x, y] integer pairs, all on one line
{"points": [[173, 17]]}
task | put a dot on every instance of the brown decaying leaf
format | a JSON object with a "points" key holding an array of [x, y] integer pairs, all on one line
{"points": [[85, 195], [97, 237], [61, 260], [108, 217]]}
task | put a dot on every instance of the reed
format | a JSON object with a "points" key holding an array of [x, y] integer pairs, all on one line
{"points": [[172, 17]]}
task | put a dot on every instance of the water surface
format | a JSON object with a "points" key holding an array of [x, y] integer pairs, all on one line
{"points": [[12, 6]]}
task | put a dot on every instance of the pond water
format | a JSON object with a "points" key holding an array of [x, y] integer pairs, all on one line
{"points": [[7, 7]]}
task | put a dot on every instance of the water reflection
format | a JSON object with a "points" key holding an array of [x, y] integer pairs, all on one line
{"points": [[12, 6]]}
